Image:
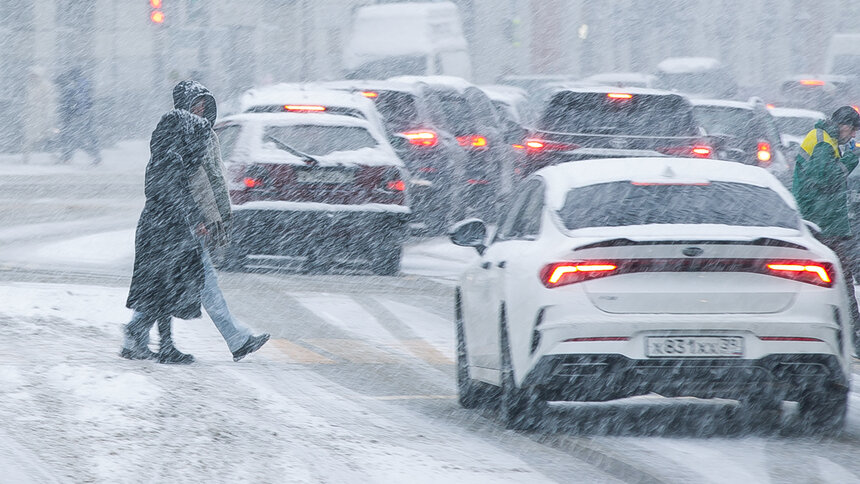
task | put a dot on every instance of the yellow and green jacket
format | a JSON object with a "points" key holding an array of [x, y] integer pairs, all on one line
{"points": [[820, 180]]}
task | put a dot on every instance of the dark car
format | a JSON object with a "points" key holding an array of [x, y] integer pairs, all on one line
{"points": [[744, 132], [820, 93], [603, 122], [431, 152], [464, 110], [322, 190]]}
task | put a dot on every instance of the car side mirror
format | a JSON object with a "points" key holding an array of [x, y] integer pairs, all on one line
{"points": [[471, 232], [813, 227]]}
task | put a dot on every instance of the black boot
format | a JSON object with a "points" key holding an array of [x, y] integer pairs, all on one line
{"points": [[253, 344], [138, 350], [167, 352]]}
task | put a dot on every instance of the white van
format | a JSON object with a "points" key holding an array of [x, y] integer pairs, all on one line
{"points": [[407, 39]]}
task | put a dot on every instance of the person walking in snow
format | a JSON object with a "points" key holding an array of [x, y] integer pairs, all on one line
{"points": [[826, 157], [39, 114], [76, 117], [187, 213]]}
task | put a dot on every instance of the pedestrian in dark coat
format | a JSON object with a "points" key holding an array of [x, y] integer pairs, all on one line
{"points": [[168, 268], [75, 110]]}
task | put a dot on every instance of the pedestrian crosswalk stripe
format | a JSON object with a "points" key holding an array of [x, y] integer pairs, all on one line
{"points": [[298, 354], [426, 352], [352, 350]]}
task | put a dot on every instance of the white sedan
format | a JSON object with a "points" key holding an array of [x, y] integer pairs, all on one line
{"points": [[684, 277]]}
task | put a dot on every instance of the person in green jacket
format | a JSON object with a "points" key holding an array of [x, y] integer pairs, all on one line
{"points": [[820, 185]]}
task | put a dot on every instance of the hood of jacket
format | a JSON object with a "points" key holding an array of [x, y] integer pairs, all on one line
{"points": [[186, 93]]}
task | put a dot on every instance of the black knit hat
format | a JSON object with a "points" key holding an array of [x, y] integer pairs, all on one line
{"points": [[846, 115]]}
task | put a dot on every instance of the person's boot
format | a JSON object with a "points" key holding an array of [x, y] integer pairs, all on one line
{"points": [[135, 348], [168, 353], [253, 344]]}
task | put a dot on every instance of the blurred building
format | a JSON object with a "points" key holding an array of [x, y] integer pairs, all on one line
{"points": [[231, 46]]}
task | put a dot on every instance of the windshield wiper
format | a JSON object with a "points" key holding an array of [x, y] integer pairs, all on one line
{"points": [[289, 149]]}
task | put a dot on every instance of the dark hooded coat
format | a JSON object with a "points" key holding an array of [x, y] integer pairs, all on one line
{"points": [[168, 267]]}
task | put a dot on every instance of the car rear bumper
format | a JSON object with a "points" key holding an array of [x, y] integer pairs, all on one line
{"points": [[289, 232], [600, 377]]}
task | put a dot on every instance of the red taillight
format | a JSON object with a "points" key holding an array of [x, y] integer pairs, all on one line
{"points": [[619, 95], [563, 273], [697, 151], [307, 108], [421, 138], [812, 82], [396, 185], [763, 152], [770, 106], [472, 141], [817, 273], [535, 146], [370, 94], [790, 338], [252, 182]]}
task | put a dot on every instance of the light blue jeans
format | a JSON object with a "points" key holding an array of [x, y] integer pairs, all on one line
{"points": [[232, 330]]}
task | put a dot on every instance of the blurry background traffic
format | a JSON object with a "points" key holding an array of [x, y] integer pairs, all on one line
{"points": [[132, 52]]}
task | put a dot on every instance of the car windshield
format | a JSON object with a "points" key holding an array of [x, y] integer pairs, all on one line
{"points": [[398, 110], [453, 111], [319, 140], [624, 203], [797, 126], [642, 114], [391, 66], [724, 120]]}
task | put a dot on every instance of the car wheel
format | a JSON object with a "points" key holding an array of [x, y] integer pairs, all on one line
{"points": [[228, 259], [822, 410], [470, 393], [386, 260], [519, 408]]}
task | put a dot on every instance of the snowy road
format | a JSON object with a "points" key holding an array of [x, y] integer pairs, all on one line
{"points": [[356, 385]]}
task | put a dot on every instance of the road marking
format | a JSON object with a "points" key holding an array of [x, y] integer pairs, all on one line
{"points": [[352, 350], [296, 353], [426, 352]]}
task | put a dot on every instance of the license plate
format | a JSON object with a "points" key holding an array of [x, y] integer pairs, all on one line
{"points": [[325, 176], [694, 346]]}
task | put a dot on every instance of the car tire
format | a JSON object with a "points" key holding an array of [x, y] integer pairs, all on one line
{"points": [[470, 393], [386, 260], [823, 410], [228, 259], [519, 408]]}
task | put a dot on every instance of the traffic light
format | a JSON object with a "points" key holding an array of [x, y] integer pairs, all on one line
{"points": [[156, 14]]}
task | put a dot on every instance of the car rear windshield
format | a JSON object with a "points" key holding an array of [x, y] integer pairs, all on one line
{"points": [[729, 121], [640, 115], [398, 110], [457, 114], [319, 140], [618, 204]]}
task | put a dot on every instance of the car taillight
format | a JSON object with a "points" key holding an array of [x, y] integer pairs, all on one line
{"points": [[422, 138], [395, 185], [252, 182], [812, 82], [696, 151], [763, 152], [472, 141], [619, 95], [818, 273], [563, 273], [535, 146], [304, 108], [370, 94]]}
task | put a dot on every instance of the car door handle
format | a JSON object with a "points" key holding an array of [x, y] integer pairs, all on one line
{"points": [[502, 264], [485, 265]]}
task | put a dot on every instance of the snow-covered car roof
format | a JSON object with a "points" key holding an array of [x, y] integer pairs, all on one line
{"points": [[796, 113], [609, 89], [723, 103], [304, 94], [562, 177], [681, 65], [632, 79], [507, 94], [250, 147], [457, 83]]}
